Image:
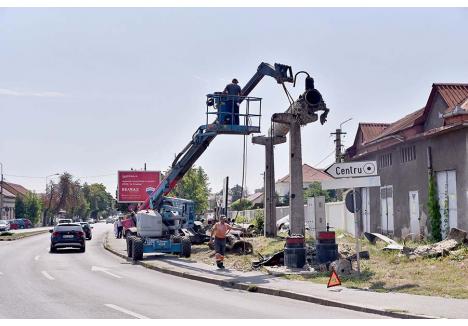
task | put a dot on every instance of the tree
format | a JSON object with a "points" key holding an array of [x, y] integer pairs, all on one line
{"points": [[99, 200], [315, 190], [194, 186], [237, 192], [33, 207], [20, 209], [434, 210], [241, 205]]}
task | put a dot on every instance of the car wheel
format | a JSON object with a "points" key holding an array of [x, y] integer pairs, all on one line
{"points": [[82, 249], [53, 249]]}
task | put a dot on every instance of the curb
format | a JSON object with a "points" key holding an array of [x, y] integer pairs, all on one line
{"points": [[268, 291], [25, 235]]}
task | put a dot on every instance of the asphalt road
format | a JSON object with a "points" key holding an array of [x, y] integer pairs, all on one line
{"points": [[96, 284]]}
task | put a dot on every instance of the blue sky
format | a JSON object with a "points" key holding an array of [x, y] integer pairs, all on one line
{"points": [[92, 91]]}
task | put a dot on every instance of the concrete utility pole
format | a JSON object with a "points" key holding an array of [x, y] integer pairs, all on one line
{"points": [[269, 198], [338, 153], [296, 191]]}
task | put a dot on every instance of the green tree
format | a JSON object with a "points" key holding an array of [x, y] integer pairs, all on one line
{"points": [[241, 204], [33, 207], [434, 210], [236, 192], [315, 190], [194, 186], [99, 200], [20, 209]]}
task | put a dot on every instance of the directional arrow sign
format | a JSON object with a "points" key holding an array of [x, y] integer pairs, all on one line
{"points": [[353, 169]]}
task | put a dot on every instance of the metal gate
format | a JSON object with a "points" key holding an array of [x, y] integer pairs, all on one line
{"points": [[447, 191], [386, 210]]}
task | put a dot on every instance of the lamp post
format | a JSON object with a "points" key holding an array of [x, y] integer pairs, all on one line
{"points": [[1, 191], [44, 220]]}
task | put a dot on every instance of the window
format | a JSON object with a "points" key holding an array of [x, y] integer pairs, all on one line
{"points": [[385, 160], [408, 154]]}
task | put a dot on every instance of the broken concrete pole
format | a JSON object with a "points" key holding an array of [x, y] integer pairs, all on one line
{"points": [[457, 235], [441, 248]]}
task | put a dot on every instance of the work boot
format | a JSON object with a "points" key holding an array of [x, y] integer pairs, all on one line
{"points": [[219, 264]]}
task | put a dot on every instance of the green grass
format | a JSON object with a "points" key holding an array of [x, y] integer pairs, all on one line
{"points": [[9, 236]]}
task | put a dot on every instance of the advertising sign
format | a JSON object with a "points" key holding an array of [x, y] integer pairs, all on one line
{"points": [[132, 185]]}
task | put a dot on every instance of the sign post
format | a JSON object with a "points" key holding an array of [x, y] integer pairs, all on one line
{"points": [[353, 175]]}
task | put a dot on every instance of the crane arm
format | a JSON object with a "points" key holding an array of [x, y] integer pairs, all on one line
{"points": [[202, 138]]}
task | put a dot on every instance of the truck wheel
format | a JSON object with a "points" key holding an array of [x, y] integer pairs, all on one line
{"points": [[176, 238], [186, 247], [137, 248], [129, 246]]}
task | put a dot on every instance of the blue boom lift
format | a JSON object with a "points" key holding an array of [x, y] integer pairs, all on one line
{"points": [[166, 224]]}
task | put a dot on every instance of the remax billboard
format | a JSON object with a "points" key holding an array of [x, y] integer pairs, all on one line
{"points": [[132, 185]]}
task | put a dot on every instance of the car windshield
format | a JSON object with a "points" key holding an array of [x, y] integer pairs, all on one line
{"points": [[68, 228]]}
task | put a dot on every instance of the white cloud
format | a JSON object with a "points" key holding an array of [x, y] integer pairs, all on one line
{"points": [[10, 92]]}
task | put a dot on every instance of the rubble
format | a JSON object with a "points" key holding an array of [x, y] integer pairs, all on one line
{"points": [[341, 266], [441, 248], [277, 259], [306, 271], [391, 244]]}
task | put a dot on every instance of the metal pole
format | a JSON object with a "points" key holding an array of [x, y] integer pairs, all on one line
{"points": [[1, 191], [356, 228]]}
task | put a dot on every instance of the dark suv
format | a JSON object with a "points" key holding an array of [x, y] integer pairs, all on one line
{"points": [[69, 235], [87, 230]]}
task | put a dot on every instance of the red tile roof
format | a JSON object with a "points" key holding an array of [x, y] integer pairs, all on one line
{"points": [[371, 130], [309, 174], [16, 188], [407, 121]]}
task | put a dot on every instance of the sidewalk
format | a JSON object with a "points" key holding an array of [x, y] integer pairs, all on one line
{"points": [[397, 305]]}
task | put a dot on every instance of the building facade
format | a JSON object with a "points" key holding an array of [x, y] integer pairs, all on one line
{"points": [[432, 140], [309, 174]]}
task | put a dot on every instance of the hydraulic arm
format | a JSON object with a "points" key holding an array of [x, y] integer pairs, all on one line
{"points": [[203, 137]]}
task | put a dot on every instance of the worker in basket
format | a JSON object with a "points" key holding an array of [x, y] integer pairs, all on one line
{"points": [[218, 236], [230, 110]]}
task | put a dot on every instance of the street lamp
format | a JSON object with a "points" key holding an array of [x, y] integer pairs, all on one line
{"points": [[1, 191], [44, 220]]}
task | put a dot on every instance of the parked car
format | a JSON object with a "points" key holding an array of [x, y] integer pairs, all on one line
{"points": [[26, 223], [70, 235], [4, 225], [14, 224], [87, 230], [91, 221]]}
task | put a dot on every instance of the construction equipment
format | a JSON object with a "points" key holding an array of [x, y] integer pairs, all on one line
{"points": [[164, 224]]}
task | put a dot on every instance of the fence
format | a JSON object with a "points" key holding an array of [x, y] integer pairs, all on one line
{"points": [[336, 214]]}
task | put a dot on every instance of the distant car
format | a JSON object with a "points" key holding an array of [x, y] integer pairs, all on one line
{"points": [[26, 223], [87, 230], [91, 221], [15, 224], [4, 225], [64, 221], [69, 235], [110, 219]]}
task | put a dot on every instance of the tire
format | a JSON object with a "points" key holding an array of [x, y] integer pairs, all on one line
{"points": [[137, 249], [186, 247], [129, 246], [53, 249], [176, 238], [82, 249]]}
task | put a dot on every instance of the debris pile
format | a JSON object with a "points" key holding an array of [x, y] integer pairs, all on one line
{"points": [[442, 248]]}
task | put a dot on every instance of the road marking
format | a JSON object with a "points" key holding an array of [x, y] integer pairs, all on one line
{"points": [[47, 275], [1, 273], [125, 311], [36, 258], [104, 270]]}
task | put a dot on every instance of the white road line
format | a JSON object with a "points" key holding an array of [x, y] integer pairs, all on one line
{"points": [[125, 311], [47, 275], [36, 258], [104, 270], [1, 273]]}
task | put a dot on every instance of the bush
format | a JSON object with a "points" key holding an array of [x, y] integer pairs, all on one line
{"points": [[240, 219], [434, 211], [259, 221]]}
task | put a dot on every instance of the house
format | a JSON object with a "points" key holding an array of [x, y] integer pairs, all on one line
{"points": [[310, 175], [433, 139], [8, 201], [15, 189], [256, 199]]}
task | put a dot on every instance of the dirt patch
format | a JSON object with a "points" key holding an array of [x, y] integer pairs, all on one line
{"points": [[8, 236]]}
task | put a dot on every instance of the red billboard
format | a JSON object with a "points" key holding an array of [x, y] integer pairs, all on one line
{"points": [[132, 185]]}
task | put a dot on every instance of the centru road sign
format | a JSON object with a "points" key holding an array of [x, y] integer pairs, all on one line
{"points": [[353, 169]]}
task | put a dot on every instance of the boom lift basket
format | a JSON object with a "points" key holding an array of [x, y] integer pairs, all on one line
{"points": [[233, 114]]}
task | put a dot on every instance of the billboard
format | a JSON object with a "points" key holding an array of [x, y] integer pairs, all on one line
{"points": [[132, 185]]}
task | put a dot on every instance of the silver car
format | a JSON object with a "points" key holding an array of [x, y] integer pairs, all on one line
{"points": [[4, 225]]}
